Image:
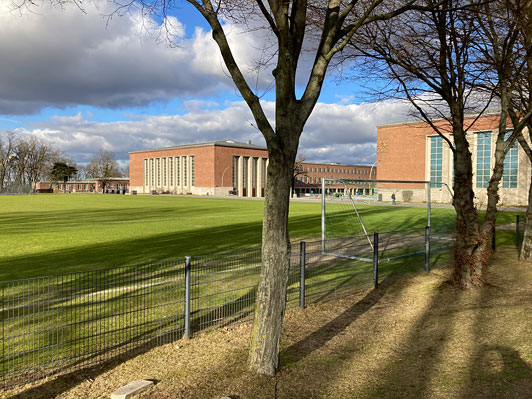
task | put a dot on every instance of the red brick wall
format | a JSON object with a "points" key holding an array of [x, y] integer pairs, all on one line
{"points": [[209, 162], [344, 172], [224, 159], [401, 148], [203, 163]]}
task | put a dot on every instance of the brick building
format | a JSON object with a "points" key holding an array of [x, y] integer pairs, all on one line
{"points": [[221, 168], [113, 185], [413, 151], [310, 179]]}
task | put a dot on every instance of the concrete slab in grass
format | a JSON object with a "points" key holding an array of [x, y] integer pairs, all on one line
{"points": [[131, 389]]}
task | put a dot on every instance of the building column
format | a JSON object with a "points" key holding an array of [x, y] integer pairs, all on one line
{"points": [[260, 171], [240, 176], [250, 177], [266, 174]]}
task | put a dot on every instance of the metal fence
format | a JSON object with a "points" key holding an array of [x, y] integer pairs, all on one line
{"points": [[61, 323]]}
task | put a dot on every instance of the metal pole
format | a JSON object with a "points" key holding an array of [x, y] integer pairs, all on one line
{"points": [[517, 231], [427, 248], [376, 260], [187, 297], [428, 204], [302, 263], [323, 215]]}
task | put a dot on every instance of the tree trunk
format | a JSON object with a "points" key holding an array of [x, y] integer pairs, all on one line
{"points": [[526, 245], [472, 248], [471, 252], [271, 295]]}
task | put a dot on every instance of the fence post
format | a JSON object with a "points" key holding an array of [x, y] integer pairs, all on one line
{"points": [[302, 263], [427, 248], [376, 260], [493, 239], [187, 297], [517, 231]]}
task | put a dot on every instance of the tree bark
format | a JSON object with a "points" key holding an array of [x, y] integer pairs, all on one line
{"points": [[470, 250], [271, 294], [526, 245]]}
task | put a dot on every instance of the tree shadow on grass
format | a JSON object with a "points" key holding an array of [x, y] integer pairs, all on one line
{"points": [[320, 337], [497, 369]]}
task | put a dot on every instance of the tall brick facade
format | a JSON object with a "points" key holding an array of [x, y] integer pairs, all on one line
{"points": [[213, 168], [412, 151]]}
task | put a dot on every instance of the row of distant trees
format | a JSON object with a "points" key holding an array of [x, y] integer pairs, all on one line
{"points": [[25, 160]]}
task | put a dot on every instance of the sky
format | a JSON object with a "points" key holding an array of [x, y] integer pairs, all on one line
{"points": [[83, 80]]}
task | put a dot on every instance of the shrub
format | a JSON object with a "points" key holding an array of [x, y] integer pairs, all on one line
{"points": [[407, 195]]}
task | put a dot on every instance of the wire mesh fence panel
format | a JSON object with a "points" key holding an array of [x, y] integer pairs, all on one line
{"points": [[64, 322], [60, 323], [442, 237], [292, 294], [356, 247], [331, 270], [401, 252], [223, 288], [401, 244]]}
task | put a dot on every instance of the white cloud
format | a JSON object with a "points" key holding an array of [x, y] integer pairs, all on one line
{"points": [[59, 57], [334, 132]]}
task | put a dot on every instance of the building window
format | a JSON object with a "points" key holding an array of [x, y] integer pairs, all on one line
{"points": [[483, 159], [146, 181], [152, 174], [235, 171], [178, 171], [509, 176], [164, 171], [158, 172], [171, 170], [436, 156], [185, 170], [245, 172], [264, 171], [254, 172], [192, 171]]}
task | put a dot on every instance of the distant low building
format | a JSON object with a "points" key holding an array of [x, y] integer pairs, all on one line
{"points": [[113, 185]]}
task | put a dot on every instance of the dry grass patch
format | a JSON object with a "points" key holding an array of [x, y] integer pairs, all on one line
{"points": [[416, 337]]}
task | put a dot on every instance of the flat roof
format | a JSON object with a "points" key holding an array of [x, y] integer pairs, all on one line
{"points": [[336, 164], [420, 120], [223, 143]]}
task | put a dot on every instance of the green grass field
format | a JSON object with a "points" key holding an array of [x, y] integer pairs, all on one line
{"points": [[63, 317], [50, 234]]}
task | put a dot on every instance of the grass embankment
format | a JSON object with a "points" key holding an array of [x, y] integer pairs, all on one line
{"points": [[415, 337]]}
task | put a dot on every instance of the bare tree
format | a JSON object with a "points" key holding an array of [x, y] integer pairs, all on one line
{"points": [[8, 143], [326, 26], [103, 167], [299, 170], [433, 59], [520, 13]]}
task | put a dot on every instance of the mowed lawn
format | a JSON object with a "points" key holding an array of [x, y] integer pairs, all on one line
{"points": [[46, 234], [61, 233]]}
